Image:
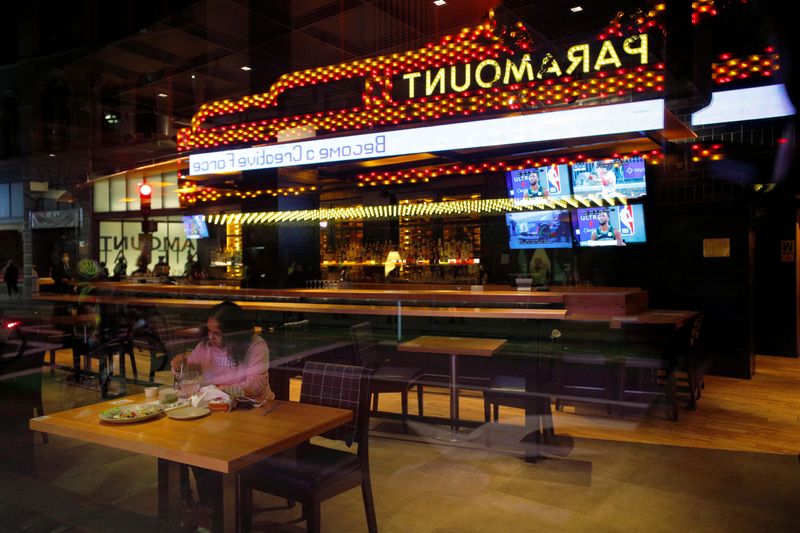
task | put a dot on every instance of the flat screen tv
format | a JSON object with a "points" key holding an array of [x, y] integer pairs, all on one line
{"points": [[539, 229], [195, 227], [609, 226], [610, 178], [550, 181]]}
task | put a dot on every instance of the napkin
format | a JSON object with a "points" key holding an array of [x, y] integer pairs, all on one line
{"points": [[208, 393]]}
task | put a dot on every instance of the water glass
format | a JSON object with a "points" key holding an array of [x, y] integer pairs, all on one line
{"points": [[188, 383]]}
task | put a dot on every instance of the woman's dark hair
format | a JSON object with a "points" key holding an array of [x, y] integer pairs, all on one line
{"points": [[236, 328]]}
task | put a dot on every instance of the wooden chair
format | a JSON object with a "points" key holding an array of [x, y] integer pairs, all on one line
{"points": [[510, 389], [313, 473], [385, 378], [690, 365], [649, 357], [588, 364], [295, 340], [163, 338]]}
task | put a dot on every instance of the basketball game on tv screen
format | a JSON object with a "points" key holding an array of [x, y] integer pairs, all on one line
{"points": [[609, 226]]}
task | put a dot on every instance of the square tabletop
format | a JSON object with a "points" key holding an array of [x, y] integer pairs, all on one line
{"points": [[452, 345], [221, 441]]}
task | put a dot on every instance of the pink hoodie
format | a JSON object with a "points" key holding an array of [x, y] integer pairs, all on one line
{"points": [[251, 374]]}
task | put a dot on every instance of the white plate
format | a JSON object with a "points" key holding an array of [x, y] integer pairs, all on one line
{"points": [[188, 413]]}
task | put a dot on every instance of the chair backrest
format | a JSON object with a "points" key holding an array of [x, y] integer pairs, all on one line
{"points": [[342, 386], [364, 346], [654, 340]]}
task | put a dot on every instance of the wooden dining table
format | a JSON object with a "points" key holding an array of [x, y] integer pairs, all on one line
{"points": [[225, 442], [454, 347]]}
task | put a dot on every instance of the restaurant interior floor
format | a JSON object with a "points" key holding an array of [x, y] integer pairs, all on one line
{"points": [[732, 465]]}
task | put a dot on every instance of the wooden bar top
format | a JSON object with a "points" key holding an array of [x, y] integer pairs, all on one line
{"points": [[491, 293], [452, 345], [221, 441], [345, 309]]}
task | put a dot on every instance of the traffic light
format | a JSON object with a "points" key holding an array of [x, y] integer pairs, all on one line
{"points": [[145, 197]]}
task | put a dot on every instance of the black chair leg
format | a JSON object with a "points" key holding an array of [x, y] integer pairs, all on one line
{"points": [[246, 509], [497, 412], [419, 400], [369, 504], [487, 417], [404, 405], [313, 517]]}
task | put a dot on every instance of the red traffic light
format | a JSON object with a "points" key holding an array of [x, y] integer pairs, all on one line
{"points": [[145, 197]]}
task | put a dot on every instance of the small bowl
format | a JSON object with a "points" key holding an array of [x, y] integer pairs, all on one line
{"points": [[219, 405]]}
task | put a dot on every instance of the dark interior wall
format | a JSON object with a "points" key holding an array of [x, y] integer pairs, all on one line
{"points": [[775, 294], [679, 277]]}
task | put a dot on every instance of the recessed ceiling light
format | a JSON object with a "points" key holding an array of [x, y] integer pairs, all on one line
{"points": [[162, 95], [439, 2], [576, 9], [246, 68]]}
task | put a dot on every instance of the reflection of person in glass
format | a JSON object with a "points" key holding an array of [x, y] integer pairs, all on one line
{"points": [[605, 231]]}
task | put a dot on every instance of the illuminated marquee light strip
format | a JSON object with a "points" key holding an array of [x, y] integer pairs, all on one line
{"points": [[635, 23], [473, 44], [417, 175], [192, 194], [712, 152], [731, 68], [564, 90], [429, 209], [703, 8], [433, 55]]}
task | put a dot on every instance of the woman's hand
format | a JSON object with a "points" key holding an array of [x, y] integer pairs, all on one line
{"points": [[177, 362]]}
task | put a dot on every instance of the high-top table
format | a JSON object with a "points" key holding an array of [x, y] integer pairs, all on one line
{"points": [[454, 347], [223, 442]]}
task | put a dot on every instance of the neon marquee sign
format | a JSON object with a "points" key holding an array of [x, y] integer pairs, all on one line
{"points": [[480, 71]]}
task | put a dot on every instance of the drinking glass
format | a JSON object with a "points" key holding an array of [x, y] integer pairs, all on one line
{"points": [[188, 383]]}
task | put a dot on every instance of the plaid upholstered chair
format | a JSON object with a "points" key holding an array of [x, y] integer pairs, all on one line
{"points": [[312, 473]]}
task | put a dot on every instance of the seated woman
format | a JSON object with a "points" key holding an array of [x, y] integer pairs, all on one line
{"points": [[230, 355]]}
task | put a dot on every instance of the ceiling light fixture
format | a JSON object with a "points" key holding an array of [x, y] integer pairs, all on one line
{"points": [[439, 2], [576, 9], [246, 68]]}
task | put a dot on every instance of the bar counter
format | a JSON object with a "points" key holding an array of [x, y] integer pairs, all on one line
{"points": [[606, 301]]}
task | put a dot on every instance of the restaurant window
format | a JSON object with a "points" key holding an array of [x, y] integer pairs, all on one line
{"points": [[17, 200], [123, 237], [101, 196], [5, 200], [170, 185], [118, 193], [133, 181]]}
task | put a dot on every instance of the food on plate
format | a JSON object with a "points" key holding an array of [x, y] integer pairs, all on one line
{"points": [[130, 413]]}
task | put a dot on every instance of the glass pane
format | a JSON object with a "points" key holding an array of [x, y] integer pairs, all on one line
{"points": [[5, 209], [158, 186], [118, 193], [170, 180], [101, 191], [17, 200], [133, 181]]}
